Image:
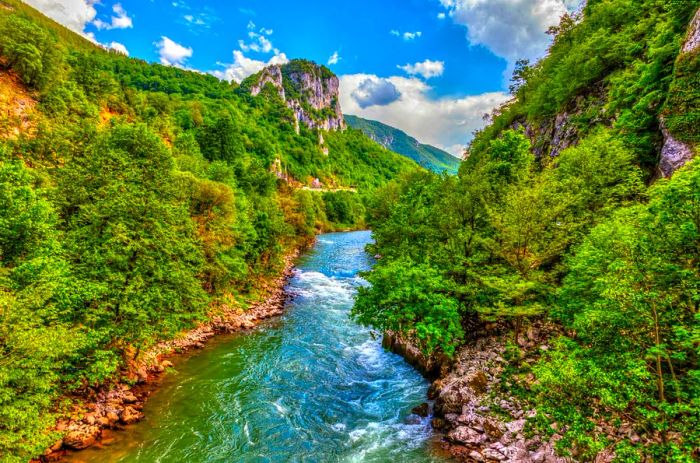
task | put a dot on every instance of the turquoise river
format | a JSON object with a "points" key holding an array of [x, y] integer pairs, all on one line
{"points": [[310, 386]]}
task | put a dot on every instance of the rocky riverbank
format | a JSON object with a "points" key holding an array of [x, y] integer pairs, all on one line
{"points": [[479, 420], [113, 406]]}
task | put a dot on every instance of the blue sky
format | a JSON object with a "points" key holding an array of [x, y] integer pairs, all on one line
{"points": [[430, 67]]}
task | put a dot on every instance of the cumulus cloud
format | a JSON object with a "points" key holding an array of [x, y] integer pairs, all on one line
{"points": [[259, 41], [373, 91], [243, 66], [120, 47], [445, 122], [441, 15], [74, 14], [172, 53], [512, 29], [406, 35], [427, 68], [334, 59], [120, 19]]}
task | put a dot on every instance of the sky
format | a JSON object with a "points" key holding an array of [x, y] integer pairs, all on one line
{"points": [[432, 68]]}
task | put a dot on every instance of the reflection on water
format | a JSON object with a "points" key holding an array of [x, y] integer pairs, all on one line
{"points": [[309, 387]]}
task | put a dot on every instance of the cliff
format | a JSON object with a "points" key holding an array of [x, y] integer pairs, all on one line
{"points": [[309, 90]]}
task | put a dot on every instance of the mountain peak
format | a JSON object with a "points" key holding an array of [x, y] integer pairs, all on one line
{"points": [[308, 89]]}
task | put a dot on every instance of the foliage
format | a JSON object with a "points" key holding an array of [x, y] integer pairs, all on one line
{"points": [[143, 197]]}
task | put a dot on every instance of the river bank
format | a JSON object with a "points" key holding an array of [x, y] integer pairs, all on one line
{"points": [[311, 385], [479, 417], [117, 404]]}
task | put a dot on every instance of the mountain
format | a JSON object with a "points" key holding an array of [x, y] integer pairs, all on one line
{"points": [[400, 142], [308, 89]]}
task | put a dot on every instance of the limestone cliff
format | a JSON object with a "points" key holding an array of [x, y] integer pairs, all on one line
{"points": [[309, 90], [680, 118]]}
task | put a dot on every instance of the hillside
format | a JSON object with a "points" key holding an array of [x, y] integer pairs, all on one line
{"points": [[398, 141], [553, 285], [138, 200]]}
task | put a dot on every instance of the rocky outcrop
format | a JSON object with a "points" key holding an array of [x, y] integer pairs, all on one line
{"points": [[479, 422], [553, 135], [309, 90], [692, 42], [430, 366], [674, 152]]}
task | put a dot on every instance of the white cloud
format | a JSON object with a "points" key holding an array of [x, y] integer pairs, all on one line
{"points": [[441, 15], [120, 20], [427, 68], [444, 122], [74, 14], [334, 59], [406, 35], [120, 47], [512, 29], [172, 53], [259, 40], [243, 66]]}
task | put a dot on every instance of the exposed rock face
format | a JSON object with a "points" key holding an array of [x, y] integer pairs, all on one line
{"points": [[430, 366], [309, 90], [554, 135], [675, 153], [693, 41]]}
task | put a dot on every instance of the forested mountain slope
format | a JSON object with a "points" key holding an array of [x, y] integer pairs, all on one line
{"points": [[561, 218], [396, 140], [137, 199]]}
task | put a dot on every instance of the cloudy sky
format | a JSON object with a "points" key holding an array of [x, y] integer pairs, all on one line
{"points": [[430, 67]]}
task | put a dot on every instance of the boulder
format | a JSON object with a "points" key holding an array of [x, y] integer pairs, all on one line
{"points": [[422, 410], [81, 437], [131, 415]]}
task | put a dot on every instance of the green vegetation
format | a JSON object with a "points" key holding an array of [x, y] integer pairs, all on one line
{"points": [[580, 240], [137, 200], [427, 156]]}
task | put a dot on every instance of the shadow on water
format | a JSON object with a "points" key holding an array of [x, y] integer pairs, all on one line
{"points": [[311, 386]]}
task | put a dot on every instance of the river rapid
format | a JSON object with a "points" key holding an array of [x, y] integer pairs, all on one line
{"points": [[311, 386]]}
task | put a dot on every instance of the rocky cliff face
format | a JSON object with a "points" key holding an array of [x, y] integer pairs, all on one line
{"points": [[552, 136], [309, 90], [676, 153]]}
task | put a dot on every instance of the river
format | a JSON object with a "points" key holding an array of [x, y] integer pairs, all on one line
{"points": [[311, 386]]}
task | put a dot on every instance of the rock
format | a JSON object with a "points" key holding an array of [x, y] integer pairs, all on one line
{"points": [[492, 428], [413, 419], [438, 423], [465, 435], [478, 382], [131, 415], [142, 375], [129, 398], [112, 417], [81, 437], [317, 90], [476, 456], [692, 42], [674, 153], [422, 410], [494, 455]]}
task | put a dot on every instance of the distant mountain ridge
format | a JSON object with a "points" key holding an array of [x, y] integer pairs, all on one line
{"points": [[400, 142]]}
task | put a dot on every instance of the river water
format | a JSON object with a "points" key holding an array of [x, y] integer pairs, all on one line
{"points": [[311, 386]]}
